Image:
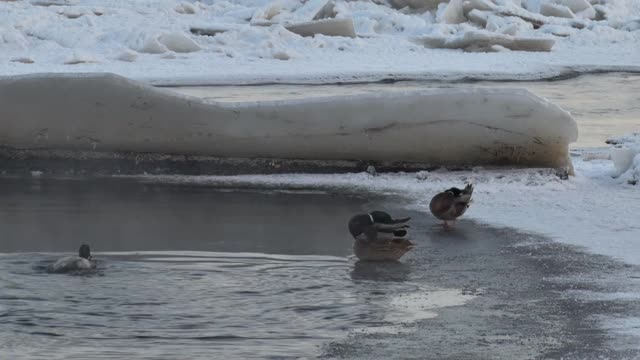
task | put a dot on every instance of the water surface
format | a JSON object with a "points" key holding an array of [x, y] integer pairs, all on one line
{"points": [[185, 272], [192, 272]]}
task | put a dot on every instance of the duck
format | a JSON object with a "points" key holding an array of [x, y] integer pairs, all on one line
{"points": [[450, 204], [84, 261], [379, 237]]}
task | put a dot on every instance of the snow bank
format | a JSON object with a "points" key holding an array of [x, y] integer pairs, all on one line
{"points": [[236, 41], [437, 126]]}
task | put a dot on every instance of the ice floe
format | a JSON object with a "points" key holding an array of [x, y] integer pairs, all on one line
{"points": [[434, 126]]}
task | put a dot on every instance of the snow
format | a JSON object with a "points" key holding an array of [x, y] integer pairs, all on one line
{"points": [[532, 200], [163, 41], [626, 157]]}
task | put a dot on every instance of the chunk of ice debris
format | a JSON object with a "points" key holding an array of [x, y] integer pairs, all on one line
{"points": [[452, 13], [437, 126], [548, 9], [632, 25], [178, 42], [626, 156], [185, 8], [416, 4], [81, 58], [575, 6], [24, 60], [127, 55], [316, 10], [329, 27], [473, 41]]}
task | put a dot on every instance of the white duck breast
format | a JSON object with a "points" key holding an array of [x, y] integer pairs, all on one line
{"points": [[71, 263]]}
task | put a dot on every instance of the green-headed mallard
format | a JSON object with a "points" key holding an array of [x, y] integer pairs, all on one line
{"points": [[451, 204], [378, 236]]}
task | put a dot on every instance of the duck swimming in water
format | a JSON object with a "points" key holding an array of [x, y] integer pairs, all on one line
{"points": [[84, 261], [378, 236], [451, 204]]}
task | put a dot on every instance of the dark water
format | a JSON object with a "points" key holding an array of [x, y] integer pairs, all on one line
{"points": [[184, 272], [190, 272], [210, 288]]}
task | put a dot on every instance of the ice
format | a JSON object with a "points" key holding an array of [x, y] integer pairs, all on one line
{"points": [[416, 4], [329, 27], [185, 8], [81, 58], [551, 206], [127, 55], [626, 156], [486, 41], [178, 42], [452, 13], [316, 10], [633, 25], [556, 10], [576, 6], [436, 126], [237, 41], [24, 60]]}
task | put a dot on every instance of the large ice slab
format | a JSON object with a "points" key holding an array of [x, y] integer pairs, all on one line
{"points": [[437, 126]]}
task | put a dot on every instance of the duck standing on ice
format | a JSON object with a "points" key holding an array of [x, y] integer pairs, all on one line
{"points": [[84, 261], [379, 237], [451, 204]]}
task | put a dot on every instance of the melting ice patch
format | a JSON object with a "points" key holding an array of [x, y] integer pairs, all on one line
{"points": [[408, 308]]}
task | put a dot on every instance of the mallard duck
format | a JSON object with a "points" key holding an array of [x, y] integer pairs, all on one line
{"points": [[451, 204], [378, 236], [84, 261]]}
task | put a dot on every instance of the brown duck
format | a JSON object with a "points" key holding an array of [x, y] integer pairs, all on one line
{"points": [[451, 204], [379, 237]]}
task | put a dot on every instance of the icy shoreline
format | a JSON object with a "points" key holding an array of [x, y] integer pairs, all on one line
{"points": [[583, 210], [173, 42]]}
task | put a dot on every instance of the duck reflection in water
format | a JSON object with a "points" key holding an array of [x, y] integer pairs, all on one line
{"points": [[381, 271], [379, 237]]}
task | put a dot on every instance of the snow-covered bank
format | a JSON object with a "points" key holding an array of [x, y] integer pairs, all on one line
{"points": [[171, 42], [437, 126], [592, 209]]}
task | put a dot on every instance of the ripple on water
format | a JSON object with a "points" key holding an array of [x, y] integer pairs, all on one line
{"points": [[193, 304]]}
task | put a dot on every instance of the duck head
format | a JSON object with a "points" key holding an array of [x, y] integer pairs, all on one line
{"points": [[358, 223], [84, 252]]}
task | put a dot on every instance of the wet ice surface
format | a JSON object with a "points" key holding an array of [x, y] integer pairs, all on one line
{"points": [[192, 272], [603, 105]]}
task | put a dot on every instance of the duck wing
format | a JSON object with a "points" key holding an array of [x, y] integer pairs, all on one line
{"points": [[441, 203], [400, 221]]}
